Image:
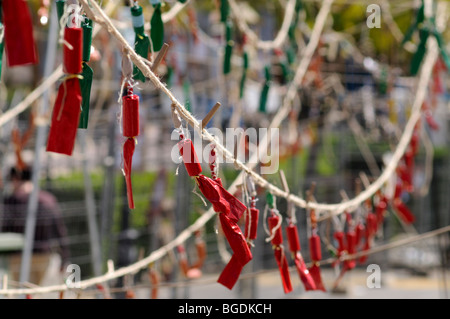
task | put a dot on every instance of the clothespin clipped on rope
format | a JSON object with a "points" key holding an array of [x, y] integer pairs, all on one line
{"points": [[210, 115], [67, 109], [265, 90], [18, 38], [156, 26], [87, 73], [425, 24], [159, 57], [141, 40]]}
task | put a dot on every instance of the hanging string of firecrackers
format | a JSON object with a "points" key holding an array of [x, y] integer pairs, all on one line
{"points": [[315, 249], [274, 231], [19, 41], [426, 26], [252, 213], [130, 125], [66, 112], [87, 73], [141, 40], [294, 241], [156, 26], [230, 210]]}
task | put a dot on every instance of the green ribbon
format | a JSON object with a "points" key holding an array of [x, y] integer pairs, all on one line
{"points": [[157, 28], [187, 95], [426, 27], [85, 85], [60, 8], [141, 43], [224, 10], [228, 47], [265, 91], [87, 74], [87, 39], [244, 74], [270, 200], [182, 1]]}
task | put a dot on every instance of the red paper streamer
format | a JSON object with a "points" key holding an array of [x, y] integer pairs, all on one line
{"points": [[65, 118], [19, 41], [280, 256], [241, 252]]}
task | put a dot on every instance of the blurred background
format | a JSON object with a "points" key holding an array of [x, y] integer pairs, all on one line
{"points": [[347, 119]]}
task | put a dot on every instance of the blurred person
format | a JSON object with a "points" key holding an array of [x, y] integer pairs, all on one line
{"points": [[50, 240]]}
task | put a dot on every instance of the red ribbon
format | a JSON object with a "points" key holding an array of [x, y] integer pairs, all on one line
{"points": [[19, 41], [350, 237], [65, 118], [230, 211], [241, 252]]}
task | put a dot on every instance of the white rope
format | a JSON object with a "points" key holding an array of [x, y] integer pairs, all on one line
{"points": [[253, 38]]}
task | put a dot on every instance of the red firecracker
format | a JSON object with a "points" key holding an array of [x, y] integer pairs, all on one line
{"points": [[19, 40], [315, 252], [294, 247], [66, 112], [280, 256], [130, 130]]}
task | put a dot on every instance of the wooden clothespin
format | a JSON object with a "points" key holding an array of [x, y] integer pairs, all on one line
{"points": [[161, 54], [210, 114], [290, 205]]}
